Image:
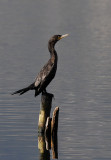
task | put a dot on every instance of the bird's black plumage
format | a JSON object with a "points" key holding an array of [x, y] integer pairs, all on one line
{"points": [[48, 72]]}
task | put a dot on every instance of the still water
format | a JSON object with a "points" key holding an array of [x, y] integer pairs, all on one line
{"points": [[82, 86]]}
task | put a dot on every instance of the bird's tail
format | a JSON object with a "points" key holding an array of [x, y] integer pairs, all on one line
{"points": [[22, 91]]}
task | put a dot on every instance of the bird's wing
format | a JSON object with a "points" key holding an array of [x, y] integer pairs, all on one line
{"points": [[43, 74]]}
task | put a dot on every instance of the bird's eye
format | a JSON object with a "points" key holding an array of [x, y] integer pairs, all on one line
{"points": [[59, 37]]}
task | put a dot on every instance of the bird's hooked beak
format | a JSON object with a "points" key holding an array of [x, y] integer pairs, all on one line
{"points": [[63, 36]]}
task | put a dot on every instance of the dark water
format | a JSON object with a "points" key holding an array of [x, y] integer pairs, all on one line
{"points": [[82, 86]]}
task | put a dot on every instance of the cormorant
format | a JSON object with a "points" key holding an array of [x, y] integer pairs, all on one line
{"points": [[47, 73]]}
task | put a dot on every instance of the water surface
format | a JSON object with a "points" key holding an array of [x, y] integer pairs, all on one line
{"points": [[82, 86]]}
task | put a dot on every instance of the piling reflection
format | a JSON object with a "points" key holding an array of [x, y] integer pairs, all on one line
{"points": [[47, 144]]}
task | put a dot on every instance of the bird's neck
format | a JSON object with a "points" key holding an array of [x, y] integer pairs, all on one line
{"points": [[52, 50]]}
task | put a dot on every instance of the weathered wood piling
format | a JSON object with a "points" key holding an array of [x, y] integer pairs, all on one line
{"points": [[45, 108], [48, 127]]}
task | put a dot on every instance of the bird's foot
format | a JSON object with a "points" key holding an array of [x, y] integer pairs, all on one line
{"points": [[44, 92]]}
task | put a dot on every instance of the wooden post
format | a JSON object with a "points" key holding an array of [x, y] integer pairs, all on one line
{"points": [[54, 128], [54, 146], [54, 122], [47, 138], [48, 133], [45, 107], [44, 154]]}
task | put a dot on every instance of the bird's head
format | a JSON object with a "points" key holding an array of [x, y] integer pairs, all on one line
{"points": [[56, 38]]}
